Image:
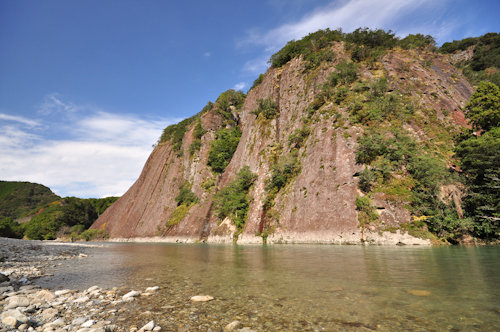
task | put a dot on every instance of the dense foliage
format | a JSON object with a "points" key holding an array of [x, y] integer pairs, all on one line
{"points": [[483, 109], [176, 132], [67, 217], [18, 199], [227, 102], [485, 62], [222, 148], [480, 161], [233, 200], [364, 43]]}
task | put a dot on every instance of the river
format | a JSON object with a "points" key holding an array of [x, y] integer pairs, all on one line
{"points": [[301, 287]]}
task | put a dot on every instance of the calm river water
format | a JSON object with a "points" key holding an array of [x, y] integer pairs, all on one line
{"points": [[301, 287]]}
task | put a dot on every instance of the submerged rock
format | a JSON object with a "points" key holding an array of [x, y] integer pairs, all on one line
{"points": [[418, 292]]}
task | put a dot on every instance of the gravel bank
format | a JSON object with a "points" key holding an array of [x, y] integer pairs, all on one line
{"points": [[27, 307]]}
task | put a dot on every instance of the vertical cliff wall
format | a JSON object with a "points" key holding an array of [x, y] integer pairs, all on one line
{"points": [[319, 203]]}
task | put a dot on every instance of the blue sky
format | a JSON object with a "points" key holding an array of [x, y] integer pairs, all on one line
{"points": [[86, 87]]}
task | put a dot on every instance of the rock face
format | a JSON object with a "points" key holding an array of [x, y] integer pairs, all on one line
{"points": [[318, 206]]}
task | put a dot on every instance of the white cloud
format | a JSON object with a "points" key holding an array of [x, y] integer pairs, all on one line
{"points": [[347, 15], [100, 154], [207, 54], [239, 86], [26, 121]]}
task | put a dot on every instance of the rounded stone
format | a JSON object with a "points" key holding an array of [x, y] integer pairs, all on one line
{"points": [[201, 298]]}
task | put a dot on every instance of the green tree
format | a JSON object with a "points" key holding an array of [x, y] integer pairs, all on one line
{"points": [[483, 109], [480, 161]]}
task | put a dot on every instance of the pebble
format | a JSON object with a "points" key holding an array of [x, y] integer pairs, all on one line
{"points": [[232, 326], [17, 301], [3, 277], [49, 313], [79, 321], [201, 298], [130, 295], [88, 323], [81, 299], [152, 289], [62, 292], [148, 327], [10, 321]]}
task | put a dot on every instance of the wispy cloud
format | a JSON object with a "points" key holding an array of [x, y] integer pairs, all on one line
{"points": [[54, 103], [20, 119], [347, 15], [207, 54], [240, 86], [101, 153]]}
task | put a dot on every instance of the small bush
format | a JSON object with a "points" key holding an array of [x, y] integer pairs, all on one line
{"points": [[93, 235], [418, 41], [195, 146], [366, 212], [367, 178], [346, 73], [186, 196], [298, 137], [179, 213], [267, 107], [226, 101], [198, 130], [257, 82]]}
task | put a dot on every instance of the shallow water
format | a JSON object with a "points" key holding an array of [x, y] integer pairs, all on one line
{"points": [[301, 287]]}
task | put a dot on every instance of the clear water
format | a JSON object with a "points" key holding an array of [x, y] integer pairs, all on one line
{"points": [[303, 288]]}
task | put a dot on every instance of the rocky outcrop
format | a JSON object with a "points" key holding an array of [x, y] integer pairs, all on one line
{"points": [[318, 205]]}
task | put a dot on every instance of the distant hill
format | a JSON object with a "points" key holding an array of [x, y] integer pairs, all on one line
{"points": [[33, 211], [18, 199]]}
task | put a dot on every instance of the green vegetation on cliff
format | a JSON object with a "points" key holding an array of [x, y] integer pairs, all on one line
{"points": [[233, 200], [222, 148], [484, 65], [479, 157], [364, 43]]}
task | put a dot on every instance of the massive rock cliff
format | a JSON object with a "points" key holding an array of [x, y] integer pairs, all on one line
{"points": [[318, 205]]}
